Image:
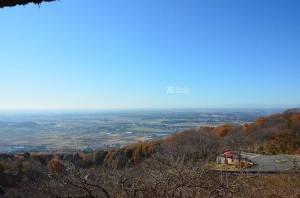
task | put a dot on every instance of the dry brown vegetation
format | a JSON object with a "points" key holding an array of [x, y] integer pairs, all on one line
{"points": [[174, 167]]}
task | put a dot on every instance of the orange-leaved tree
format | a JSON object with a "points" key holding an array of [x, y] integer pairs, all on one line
{"points": [[55, 166]]}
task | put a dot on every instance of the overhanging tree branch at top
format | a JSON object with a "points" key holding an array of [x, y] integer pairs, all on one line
{"points": [[12, 3]]}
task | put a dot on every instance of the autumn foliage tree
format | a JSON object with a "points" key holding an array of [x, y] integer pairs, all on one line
{"points": [[295, 122], [130, 155], [99, 157], [177, 166], [260, 121], [224, 130], [55, 166]]}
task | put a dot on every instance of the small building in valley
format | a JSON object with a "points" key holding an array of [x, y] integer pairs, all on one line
{"points": [[231, 157]]}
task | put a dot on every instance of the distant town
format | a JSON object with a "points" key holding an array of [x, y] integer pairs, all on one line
{"points": [[89, 131]]}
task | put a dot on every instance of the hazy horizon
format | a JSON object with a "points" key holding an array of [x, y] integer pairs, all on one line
{"points": [[229, 107]]}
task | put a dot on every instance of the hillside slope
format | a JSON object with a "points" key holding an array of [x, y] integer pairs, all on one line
{"points": [[176, 166]]}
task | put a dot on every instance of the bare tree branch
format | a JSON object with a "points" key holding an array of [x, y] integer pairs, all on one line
{"points": [[12, 3]]}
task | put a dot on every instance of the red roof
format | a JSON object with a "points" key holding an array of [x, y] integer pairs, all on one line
{"points": [[230, 154]]}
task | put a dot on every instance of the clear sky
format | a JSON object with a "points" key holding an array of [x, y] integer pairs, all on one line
{"points": [[135, 53]]}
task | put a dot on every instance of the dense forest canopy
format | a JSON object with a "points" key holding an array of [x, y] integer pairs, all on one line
{"points": [[12, 3]]}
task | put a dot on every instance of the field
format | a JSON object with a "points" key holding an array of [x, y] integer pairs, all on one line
{"points": [[52, 131]]}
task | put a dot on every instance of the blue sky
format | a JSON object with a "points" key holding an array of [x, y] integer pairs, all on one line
{"points": [[125, 53]]}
